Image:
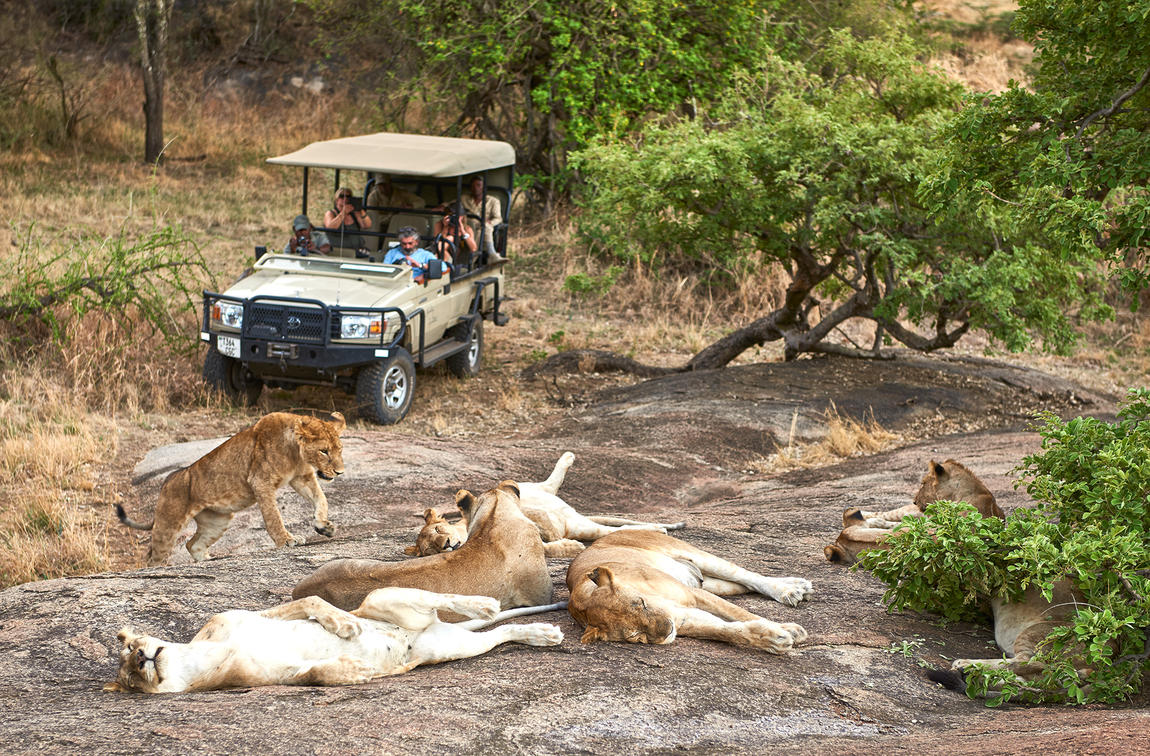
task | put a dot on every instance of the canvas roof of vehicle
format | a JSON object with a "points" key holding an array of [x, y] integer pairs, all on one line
{"points": [[403, 154]]}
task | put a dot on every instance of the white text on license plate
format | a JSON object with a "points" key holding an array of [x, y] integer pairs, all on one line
{"points": [[228, 346]]}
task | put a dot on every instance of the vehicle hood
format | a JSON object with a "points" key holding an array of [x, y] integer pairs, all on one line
{"points": [[331, 290]]}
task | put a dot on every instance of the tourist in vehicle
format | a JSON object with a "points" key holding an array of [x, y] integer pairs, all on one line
{"points": [[488, 212], [344, 220], [386, 195], [453, 236], [410, 253], [304, 241]]}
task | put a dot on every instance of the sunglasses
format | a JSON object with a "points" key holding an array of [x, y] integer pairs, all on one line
{"points": [[345, 196]]}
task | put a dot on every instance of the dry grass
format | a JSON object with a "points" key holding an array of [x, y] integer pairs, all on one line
{"points": [[845, 438], [48, 534]]}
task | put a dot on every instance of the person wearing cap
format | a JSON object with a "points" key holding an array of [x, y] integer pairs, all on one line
{"points": [[304, 242]]}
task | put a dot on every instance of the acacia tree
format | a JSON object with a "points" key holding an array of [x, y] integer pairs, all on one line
{"points": [[1071, 151], [152, 18], [819, 169]]}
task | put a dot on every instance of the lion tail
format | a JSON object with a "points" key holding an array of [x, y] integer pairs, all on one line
{"points": [[948, 678], [130, 523], [479, 624]]}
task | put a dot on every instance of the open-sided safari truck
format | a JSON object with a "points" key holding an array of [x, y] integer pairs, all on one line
{"points": [[346, 319]]}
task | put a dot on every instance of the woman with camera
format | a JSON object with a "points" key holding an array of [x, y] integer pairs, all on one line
{"points": [[343, 220], [452, 236]]}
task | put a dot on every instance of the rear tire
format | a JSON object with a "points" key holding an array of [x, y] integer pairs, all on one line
{"points": [[229, 377], [466, 364], [384, 390]]}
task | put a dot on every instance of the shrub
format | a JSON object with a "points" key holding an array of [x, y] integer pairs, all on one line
{"points": [[1091, 526]]}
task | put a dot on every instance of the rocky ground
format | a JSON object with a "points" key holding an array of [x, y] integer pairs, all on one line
{"points": [[668, 449]]}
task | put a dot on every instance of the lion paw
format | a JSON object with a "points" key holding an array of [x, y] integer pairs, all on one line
{"points": [[959, 665], [294, 541], [566, 460], [479, 607], [798, 632], [789, 590], [771, 636], [356, 672], [540, 634], [344, 627], [324, 528]]}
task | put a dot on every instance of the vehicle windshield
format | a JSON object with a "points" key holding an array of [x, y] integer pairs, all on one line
{"points": [[328, 265]]}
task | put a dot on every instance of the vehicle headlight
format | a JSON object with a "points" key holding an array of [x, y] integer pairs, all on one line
{"points": [[360, 326], [227, 314]]}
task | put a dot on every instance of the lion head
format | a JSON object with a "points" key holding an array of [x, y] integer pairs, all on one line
{"points": [[320, 444], [617, 612], [438, 535], [142, 664]]}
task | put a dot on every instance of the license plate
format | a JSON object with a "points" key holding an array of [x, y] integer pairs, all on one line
{"points": [[229, 346]]}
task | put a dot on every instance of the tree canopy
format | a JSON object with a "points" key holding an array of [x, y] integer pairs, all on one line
{"points": [[1070, 151], [820, 169]]}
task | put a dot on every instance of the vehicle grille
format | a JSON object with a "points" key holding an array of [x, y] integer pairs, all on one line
{"points": [[285, 323]]}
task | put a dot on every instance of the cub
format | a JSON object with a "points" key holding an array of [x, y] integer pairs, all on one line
{"points": [[248, 468]]}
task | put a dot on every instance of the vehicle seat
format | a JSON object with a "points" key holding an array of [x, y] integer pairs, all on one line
{"points": [[420, 222]]}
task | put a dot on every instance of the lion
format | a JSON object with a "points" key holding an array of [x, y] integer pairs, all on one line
{"points": [[502, 558], [437, 535], [1019, 628], [248, 468], [646, 587], [311, 642], [944, 481], [560, 526]]}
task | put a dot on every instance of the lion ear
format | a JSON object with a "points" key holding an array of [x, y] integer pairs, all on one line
{"points": [[833, 553], [430, 516], [464, 501], [126, 635], [509, 486], [411, 551], [602, 577], [336, 419], [937, 469], [591, 634]]}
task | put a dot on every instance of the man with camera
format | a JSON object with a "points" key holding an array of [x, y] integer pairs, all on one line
{"points": [[303, 242]]}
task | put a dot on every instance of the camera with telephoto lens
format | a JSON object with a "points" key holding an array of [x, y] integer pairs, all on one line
{"points": [[301, 244]]}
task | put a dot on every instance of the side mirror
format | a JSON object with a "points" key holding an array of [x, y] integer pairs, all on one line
{"points": [[260, 252], [434, 270]]}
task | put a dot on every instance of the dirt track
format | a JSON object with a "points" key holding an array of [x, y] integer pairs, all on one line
{"points": [[673, 448]]}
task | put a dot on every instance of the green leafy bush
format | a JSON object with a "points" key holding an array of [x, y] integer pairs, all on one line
{"points": [[1091, 526]]}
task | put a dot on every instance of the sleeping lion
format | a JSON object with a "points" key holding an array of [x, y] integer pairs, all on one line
{"points": [[646, 587], [311, 642]]}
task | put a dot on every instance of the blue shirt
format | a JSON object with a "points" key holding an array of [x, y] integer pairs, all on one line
{"points": [[421, 256]]}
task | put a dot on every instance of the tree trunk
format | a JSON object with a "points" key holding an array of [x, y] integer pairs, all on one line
{"points": [[152, 17]]}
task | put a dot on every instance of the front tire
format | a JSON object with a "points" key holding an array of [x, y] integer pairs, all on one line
{"points": [[466, 364], [229, 377], [384, 390]]}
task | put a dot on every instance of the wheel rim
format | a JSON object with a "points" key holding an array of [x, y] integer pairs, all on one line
{"points": [[473, 348], [395, 387]]}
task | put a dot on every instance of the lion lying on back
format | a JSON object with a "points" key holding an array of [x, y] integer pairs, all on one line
{"points": [[559, 525], [502, 558], [645, 587], [949, 481], [247, 469], [310, 642]]}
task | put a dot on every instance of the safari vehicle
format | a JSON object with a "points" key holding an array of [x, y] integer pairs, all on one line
{"points": [[347, 319]]}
